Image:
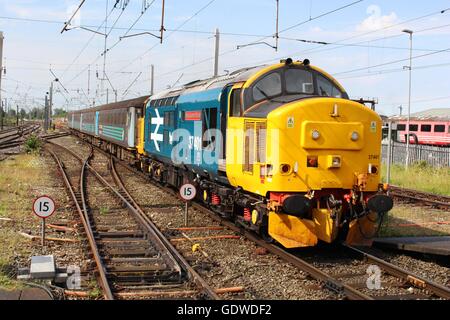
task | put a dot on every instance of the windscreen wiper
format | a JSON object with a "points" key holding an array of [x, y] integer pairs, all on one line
{"points": [[263, 93]]}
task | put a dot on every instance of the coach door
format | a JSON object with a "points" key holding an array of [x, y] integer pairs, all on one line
{"points": [[223, 128]]}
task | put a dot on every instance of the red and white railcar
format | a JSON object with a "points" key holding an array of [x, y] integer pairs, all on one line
{"points": [[430, 132]]}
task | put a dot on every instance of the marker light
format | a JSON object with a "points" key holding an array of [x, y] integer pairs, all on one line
{"points": [[355, 136], [315, 134], [336, 162]]}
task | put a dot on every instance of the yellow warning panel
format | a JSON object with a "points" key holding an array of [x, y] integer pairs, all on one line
{"points": [[326, 227], [290, 231], [361, 231]]}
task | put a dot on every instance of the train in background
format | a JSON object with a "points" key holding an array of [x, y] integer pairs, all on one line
{"points": [[429, 127], [279, 149]]}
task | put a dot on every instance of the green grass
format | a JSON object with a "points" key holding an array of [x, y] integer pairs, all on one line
{"points": [[104, 210], [407, 221], [421, 177], [20, 178]]}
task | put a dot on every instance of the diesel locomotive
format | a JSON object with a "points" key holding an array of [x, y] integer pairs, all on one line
{"points": [[279, 149]]}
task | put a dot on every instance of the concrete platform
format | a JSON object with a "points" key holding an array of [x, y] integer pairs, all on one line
{"points": [[24, 294], [432, 245]]}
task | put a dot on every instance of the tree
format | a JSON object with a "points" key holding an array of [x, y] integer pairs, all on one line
{"points": [[23, 113], [37, 113], [59, 113]]}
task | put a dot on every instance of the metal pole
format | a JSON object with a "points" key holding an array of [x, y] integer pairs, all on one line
{"points": [[50, 106], [152, 79], [115, 93], [162, 21], [277, 36], [1, 115], [389, 153], [46, 114], [104, 52], [1, 73], [17, 115], [186, 216], [89, 80], [43, 232], [107, 95], [409, 97], [216, 54]]}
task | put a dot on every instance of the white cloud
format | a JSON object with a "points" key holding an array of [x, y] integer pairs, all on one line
{"points": [[376, 20]]}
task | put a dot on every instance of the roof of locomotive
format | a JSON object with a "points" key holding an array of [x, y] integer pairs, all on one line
{"points": [[239, 75], [137, 102]]}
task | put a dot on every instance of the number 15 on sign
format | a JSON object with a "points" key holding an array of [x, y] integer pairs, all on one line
{"points": [[43, 207], [187, 193]]}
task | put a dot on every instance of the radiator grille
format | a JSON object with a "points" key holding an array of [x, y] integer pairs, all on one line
{"points": [[249, 139]]}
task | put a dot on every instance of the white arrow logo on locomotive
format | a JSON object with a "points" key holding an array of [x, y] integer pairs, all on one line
{"points": [[155, 136]]}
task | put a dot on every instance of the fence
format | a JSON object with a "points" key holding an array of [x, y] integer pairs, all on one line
{"points": [[433, 156]]}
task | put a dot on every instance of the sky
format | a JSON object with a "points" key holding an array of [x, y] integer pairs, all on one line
{"points": [[361, 44]]}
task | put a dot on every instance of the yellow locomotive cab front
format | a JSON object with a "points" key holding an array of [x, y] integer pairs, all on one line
{"points": [[331, 144], [315, 159]]}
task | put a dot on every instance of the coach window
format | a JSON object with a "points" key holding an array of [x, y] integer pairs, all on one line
{"points": [[401, 127], [439, 128], [413, 127], [425, 128], [269, 86]]}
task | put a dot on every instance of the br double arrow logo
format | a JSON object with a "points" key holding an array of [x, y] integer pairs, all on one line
{"points": [[155, 136]]}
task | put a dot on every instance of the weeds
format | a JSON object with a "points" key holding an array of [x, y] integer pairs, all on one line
{"points": [[33, 144], [421, 176], [104, 210]]}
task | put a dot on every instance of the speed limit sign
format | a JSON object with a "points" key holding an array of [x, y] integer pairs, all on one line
{"points": [[188, 191], [44, 207]]}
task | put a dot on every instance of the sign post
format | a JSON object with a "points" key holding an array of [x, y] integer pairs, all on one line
{"points": [[43, 207], [187, 193]]}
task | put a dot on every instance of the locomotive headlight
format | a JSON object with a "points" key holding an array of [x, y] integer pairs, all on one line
{"points": [[334, 161], [355, 136], [315, 134]]}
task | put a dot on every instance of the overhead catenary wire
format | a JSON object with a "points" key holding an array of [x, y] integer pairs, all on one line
{"points": [[131, 84], [259, 40], [300, 23], [89, 42], [66, 24], [129, 29], [171, 33], [378, 30], [392, 62], [387, 71], [351, 44]]}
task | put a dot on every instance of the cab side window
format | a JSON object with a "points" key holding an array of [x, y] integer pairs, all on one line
{"points": [[235, 103], [326, 88]]}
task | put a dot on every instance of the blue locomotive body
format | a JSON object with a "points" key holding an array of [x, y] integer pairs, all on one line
{"points": [[180, 130]]}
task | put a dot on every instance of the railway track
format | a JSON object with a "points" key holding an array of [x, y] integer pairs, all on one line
{"points": [[133, 259], [15, 136], [397, 284], [420, 197], [351, 285], [13, 144]]}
